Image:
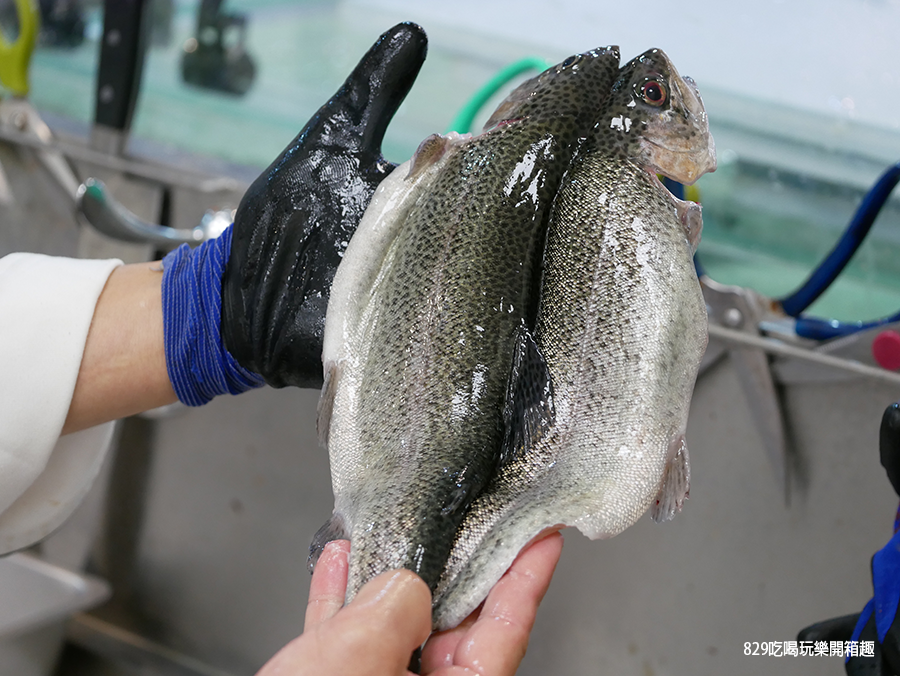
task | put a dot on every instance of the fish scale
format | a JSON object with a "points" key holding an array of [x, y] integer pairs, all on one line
{"points": [[598, 396], [423, 315]]}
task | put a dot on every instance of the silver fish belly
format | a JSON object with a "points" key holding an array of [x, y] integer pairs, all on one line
{"points": [[422, 318], [598, 397]]}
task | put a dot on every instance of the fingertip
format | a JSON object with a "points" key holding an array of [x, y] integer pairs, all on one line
{"points": [[549, 545], [337, 548], [334, 559], [329, 583], [497, 641], [402, 600], [538, 560], [399, 583]]}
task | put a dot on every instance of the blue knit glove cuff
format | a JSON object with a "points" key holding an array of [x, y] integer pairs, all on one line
{"points": [[886, 581], [199, 366]]}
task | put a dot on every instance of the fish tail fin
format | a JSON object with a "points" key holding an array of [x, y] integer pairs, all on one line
{"points": [[676, 482]]}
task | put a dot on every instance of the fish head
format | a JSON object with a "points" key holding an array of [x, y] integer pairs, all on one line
{"points": [[658, 119], [579, 85]]}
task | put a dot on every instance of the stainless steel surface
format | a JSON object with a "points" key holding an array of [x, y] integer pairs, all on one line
{"points": [[20, 117], [109, 141], [6, 196], [133, 651], [823, 360], [151, 171], [33, 653], [235, 491], [39, 217], [741, 310], [34, 593], [855, 348]]}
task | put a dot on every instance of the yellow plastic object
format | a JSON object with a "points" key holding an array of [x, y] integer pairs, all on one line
{"points": [[15, 56]]}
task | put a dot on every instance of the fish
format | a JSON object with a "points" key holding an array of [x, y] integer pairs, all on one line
{"points": [[599, 391], [420, 325]]}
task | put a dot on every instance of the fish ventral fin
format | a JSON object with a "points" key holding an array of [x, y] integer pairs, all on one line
{"points": [[333, 529], [676, 482], [325, 406], [528, 412]]}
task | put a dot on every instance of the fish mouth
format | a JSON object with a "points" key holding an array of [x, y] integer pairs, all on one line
{"points": [[684, 166], [654, 175]]}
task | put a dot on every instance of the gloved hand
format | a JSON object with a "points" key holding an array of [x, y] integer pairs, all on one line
{"points": [[878, 620], [270, 274]]}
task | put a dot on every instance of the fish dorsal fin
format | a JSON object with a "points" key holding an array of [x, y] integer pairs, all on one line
{"points": [[528, 412], [676, 482], [430, 151], [326, 402]]}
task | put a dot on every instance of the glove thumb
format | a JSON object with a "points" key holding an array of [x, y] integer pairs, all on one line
{"points": [[377, 86]]}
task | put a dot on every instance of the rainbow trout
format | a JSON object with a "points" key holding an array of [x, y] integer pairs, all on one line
{"points": [[598, 396], [422, 320]]}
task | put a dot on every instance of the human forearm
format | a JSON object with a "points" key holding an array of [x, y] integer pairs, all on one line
{"points": [[123, 370]]}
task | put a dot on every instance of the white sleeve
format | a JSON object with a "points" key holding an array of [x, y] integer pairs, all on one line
{"points": [[46, 307]]}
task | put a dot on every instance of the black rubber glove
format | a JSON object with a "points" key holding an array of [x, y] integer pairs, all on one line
{"points": [[296, 219], [885, 567]]}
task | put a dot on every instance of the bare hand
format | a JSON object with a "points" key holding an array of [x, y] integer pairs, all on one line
{"points": [[391, 616]]}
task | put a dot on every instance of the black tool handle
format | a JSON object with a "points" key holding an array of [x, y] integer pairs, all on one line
{"points": [[126, 28], [889, 443]]}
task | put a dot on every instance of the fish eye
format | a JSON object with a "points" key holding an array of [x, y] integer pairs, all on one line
{"points": [[571, 61], [654, 93]]}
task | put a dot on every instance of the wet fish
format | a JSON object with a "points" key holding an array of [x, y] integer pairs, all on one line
{"points": [[598, 396], [421, 322]]}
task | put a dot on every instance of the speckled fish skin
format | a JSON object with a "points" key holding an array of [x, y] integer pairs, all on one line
{"points": [[598, 400], [414, 389]]}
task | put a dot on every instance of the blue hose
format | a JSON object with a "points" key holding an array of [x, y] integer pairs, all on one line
{"points": [[825, 329], [826, 272]]}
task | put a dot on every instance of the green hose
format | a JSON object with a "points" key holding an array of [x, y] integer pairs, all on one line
{"points": [[464, 119]]}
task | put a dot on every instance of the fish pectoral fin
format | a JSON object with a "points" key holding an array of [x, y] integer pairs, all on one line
{"points": [[528, 411], [691, 216], [676, 482], [325, 406], [333, 529]]}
